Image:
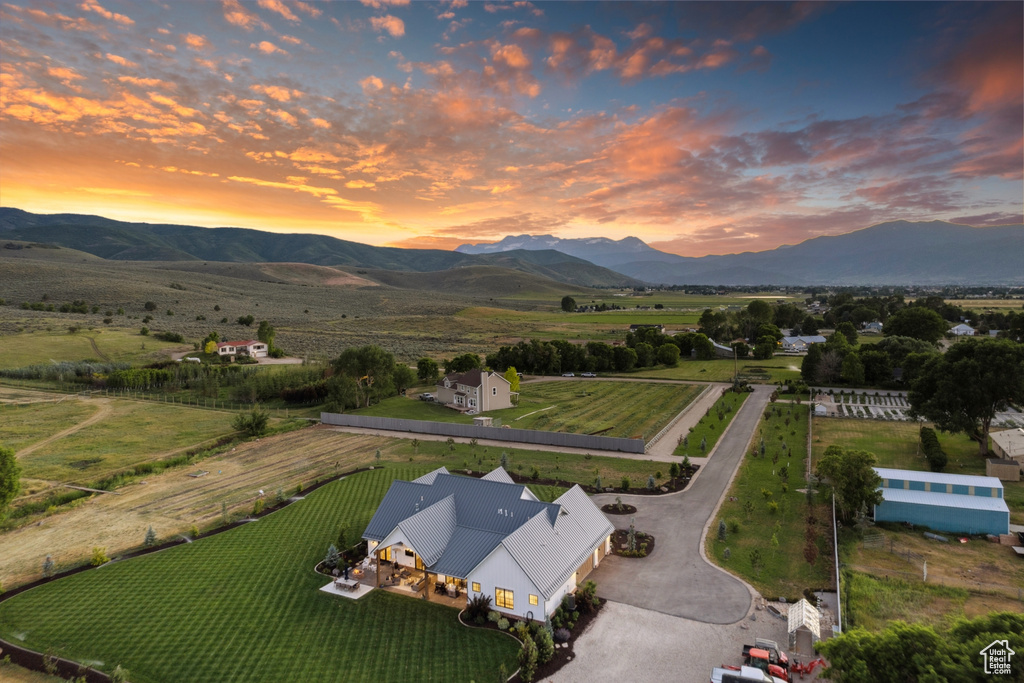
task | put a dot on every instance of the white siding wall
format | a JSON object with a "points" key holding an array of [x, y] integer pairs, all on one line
{"points": [[499, 570], [556, 599]]}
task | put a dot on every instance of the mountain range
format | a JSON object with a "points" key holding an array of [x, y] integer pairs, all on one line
{"points": [[895, 253], [122, 241]]}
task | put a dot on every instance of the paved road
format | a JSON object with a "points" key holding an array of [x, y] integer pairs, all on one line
{"points": [[676, 579]]}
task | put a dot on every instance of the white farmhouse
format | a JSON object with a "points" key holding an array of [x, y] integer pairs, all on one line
{"points": [[962, 330], [491, 537]]}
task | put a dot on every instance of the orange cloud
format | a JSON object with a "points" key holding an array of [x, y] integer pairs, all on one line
{"points": [[371, 84], [65, 74], [379, 4], [320, 123], [278, 93], [147, 82], [117, 59], [389, 23], [237, 15], [309, 9], [359, 184], [267, 47], [279, 7], [93, 6], [196, 42], [296, 187]]}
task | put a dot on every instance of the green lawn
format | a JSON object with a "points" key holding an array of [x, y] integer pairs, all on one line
{"points": [[710, 427], [130, 432], [784, 570], [620, 409], [779, 368], [114, 345], [244, 606]]}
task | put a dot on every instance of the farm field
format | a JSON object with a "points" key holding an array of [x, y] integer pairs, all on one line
{"points": [[171, 501], [774, 569], [12, 673], [779, 368], [231, 622], [896, 444], [33, 348], [113, 434], [710, 428], [619, 409], [884, 581]]}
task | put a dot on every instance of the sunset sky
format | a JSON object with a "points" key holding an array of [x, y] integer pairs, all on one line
{"points": [[697, 127]]}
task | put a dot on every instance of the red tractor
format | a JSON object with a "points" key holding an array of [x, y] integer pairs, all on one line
{"points": [[761, 659], [807, 668]]}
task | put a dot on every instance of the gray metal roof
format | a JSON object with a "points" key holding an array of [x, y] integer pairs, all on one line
{"points": [[498, 474], [455, 522], [430, 529], [938, 477], [946, 500], [428, 478]]}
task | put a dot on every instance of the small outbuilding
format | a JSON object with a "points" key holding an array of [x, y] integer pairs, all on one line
{"points": [[962, 330], [1003, 469], [1009, 444], [804, 627], [956, 503]]}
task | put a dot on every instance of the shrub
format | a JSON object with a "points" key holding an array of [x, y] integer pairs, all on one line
{"points": [[150, 306], [479, 608], [527, 659], [673, 470], [561, 635], [48, 567], [257, 507], [253, 424], [721, 530], [932, 450], [332, 557], [773, 507], [586, 597], [650, 483], [734, 526], [119, 675], [493, 616], [99, 556], [545, 645], [144, 331], [625, 483], [150, 539], [503, 624], [193, 531], [535, 474]]}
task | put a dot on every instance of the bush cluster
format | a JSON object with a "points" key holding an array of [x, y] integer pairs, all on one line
{"points": [[933, 452]]}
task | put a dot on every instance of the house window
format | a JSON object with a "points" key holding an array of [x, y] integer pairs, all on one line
{"points": [[409, 552], [494, 391], [476, 587], [533, 599], [504, 598]]}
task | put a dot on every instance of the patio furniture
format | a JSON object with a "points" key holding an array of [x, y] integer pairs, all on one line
{"points": [[440, 588], [346, 584], [416, 587]]}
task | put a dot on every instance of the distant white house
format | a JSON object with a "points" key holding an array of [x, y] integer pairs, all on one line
{"points": [[475, 390], [490, 537], [962, 330], [250, 347], [873, 327], [797, 344]]}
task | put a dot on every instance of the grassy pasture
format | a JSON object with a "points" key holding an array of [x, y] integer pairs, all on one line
{"points": [[33, 348], [710, 427], [785, 572], [897, 444], [620, 409], [114, 434], [779, 368], [250, 609]]}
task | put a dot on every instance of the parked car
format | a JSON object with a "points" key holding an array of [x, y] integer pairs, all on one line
{"points": [[568, 374], [426, 397], [589, 374]]}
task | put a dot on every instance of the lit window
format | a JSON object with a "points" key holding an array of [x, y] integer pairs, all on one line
{"points": [[533, 599], [476, 586], [504, 598], [409, 552]]}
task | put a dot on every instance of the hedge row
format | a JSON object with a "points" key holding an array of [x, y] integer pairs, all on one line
{"points": [[932, 450]]}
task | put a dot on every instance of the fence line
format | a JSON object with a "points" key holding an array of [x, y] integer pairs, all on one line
{"points": [[839, 578], [674, 420], [603, 443]]}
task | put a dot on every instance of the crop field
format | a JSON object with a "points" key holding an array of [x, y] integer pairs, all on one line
{"points": [[710, 427], [896, 444], [33, 348], [251, 610], [774, 568], [779, 368], [172, 501], [620, 409], [98, 436]]}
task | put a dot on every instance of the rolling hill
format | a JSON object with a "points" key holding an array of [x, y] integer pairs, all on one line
{"points": [[122, 241]]}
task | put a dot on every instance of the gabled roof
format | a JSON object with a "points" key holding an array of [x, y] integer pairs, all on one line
{"points": [[945, 500], [939, 477], [803, 613], [428, 478], [454, 523]]}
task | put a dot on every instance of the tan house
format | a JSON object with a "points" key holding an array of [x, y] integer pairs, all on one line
{"points": [[1008, 444], [474, 391]]}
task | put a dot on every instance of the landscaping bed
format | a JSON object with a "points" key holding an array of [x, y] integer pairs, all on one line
{"points": [[617, 509], [644, 543]]}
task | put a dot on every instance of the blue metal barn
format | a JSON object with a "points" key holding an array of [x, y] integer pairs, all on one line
{"points": [[944, 502]]}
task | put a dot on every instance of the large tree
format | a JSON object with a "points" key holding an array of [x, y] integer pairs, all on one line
{"points": [[853, 479], [963, 390], [426, 369], [568, 304], [371, 367], [917, 322], [917, 652], [10, 478]]}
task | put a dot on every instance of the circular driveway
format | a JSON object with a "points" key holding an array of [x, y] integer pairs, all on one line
{"points": [[675, 579]]}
